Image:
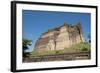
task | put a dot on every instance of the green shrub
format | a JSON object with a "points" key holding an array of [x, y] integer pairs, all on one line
{"points": [[83, 46], [84, 49], [59, 52]]}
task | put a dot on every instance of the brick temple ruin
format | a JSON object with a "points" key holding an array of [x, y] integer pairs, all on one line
{"points": [[60, 38]]}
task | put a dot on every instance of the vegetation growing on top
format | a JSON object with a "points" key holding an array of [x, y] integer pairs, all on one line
{"points": [[83, 46]]}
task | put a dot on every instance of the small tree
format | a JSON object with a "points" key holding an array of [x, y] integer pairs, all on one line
{"points": [[89, 38], [26, 43]]}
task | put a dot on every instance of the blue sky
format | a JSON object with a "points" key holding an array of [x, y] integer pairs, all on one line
{"points": [[36, 22]]}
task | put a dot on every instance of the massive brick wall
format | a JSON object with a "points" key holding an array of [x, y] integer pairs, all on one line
{"points": [[60, 38]]}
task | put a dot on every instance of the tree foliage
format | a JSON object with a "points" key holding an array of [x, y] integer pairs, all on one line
{"points": [[26, 43]]}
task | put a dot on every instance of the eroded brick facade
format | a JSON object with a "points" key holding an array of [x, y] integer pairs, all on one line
{"points": [[60, 38]]}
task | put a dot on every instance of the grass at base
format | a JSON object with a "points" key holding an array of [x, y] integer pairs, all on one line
{"points": [[81, 47]]}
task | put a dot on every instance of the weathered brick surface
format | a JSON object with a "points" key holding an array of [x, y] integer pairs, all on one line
{"points": [[60, 38]]}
